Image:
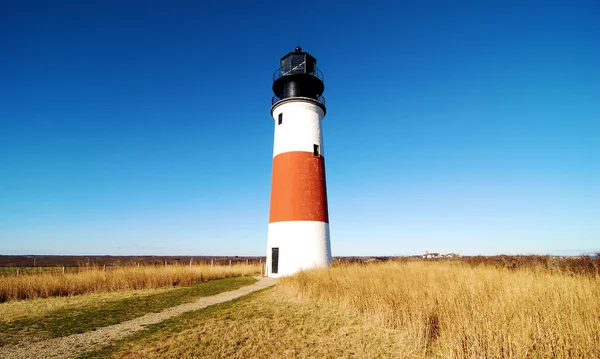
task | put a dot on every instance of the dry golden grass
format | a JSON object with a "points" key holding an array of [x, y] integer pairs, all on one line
{"points": [[95, 280], [261, 325], [450, 310], [580, 265]]}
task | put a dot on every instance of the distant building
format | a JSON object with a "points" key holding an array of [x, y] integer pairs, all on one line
{"points": [[428, 255]]}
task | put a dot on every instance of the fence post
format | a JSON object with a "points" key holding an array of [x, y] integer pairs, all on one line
{"points": [[104, 269], [230, 262], [63, 269], [212, 262], [17, 271], [191, 263]]}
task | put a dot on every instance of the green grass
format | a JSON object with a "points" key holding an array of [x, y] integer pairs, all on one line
{"points": [[165, 328], [65, 322]]}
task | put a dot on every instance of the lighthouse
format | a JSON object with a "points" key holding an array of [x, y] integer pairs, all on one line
{"points": [[298, 235]]}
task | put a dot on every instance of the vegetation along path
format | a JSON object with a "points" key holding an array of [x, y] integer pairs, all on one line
{"points": [[73, 345]]}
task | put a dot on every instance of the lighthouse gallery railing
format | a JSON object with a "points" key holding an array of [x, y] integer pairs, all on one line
{"points": [[293, 70]]}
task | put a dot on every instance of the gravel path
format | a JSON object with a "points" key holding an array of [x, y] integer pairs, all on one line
{"points": [[76, 344]]}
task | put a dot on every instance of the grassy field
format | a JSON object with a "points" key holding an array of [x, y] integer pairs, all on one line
{"points": [[534, 307], [452, 310], [60, 316], [265, 324], [414, 309], [97, 280]]}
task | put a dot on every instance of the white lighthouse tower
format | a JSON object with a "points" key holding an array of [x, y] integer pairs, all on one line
{"points": [[299, 220]]}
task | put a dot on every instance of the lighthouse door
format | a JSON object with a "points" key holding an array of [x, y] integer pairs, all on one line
{"points": [[274, 260]]}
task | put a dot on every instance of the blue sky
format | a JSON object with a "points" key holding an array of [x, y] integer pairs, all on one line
{"points": [[143, 127]]}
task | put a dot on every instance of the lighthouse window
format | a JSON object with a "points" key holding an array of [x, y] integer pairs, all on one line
{"points": [[280, 121], [274, 260], [316, 150]]}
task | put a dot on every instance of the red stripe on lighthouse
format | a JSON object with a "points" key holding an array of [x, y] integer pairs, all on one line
{"points": [[298, 188]]}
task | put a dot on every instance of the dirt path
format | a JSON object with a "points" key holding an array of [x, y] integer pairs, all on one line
{"points": [[76, 344]]}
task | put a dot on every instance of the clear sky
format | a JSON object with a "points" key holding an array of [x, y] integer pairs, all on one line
{"points": [[143, 127]]}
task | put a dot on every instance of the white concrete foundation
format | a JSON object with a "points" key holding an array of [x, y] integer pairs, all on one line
{"points": [[302, 245]]}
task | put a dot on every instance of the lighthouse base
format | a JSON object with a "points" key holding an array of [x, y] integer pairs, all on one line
{"points": [[297, 245]]}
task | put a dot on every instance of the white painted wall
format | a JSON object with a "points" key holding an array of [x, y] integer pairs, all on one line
{"points": [[302, 245], [301, 127]]}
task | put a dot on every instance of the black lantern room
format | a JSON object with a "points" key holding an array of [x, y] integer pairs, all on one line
{"points": [[298, 77]]}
